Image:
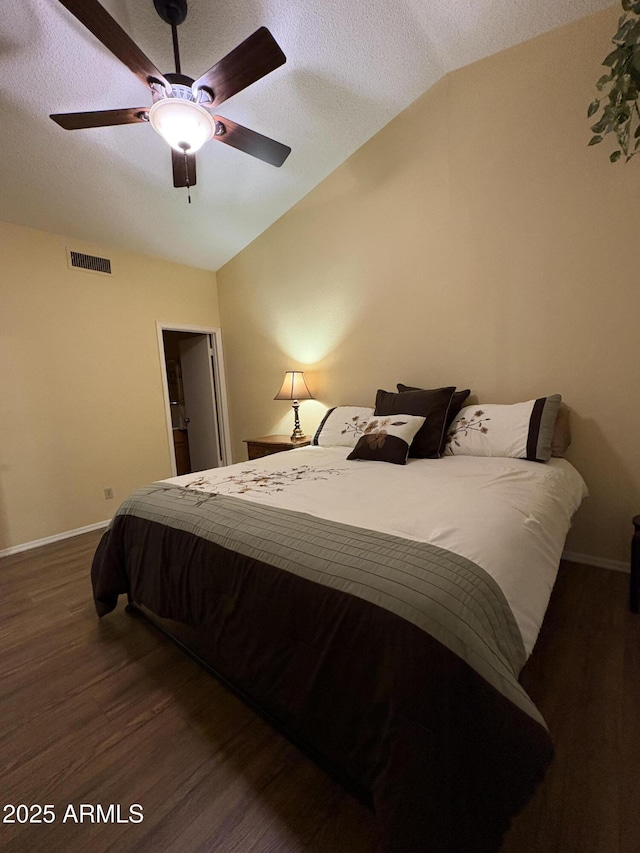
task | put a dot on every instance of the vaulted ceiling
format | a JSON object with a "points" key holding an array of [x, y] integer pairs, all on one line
{"points": [[351, 67]]}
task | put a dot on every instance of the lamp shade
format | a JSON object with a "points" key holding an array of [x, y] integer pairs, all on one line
{"points": [[185, 125], [294, 387]]}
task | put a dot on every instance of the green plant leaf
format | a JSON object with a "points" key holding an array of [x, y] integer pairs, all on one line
{"points": [[614, 57], [624, 29], [631, 33], [624, 114], [625, 83], [610, 111], [621, 87]]}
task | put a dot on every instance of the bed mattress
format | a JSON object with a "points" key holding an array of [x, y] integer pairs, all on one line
{"points": [[508, 516]]}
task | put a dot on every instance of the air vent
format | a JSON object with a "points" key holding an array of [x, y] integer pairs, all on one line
{"points": [[90, 263]]}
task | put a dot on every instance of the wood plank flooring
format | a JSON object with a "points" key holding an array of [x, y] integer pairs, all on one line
{"points": [[109, 712]]}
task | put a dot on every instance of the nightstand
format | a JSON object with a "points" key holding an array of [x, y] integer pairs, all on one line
{"points": [[268, 444]]}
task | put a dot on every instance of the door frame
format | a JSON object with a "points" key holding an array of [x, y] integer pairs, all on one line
{"points": [[220, 385]]}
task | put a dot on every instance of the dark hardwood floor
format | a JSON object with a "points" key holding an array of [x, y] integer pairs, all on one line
{"points": [[109, 712]]}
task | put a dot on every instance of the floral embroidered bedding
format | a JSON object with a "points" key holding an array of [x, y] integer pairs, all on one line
{"points": [[380, 614]]}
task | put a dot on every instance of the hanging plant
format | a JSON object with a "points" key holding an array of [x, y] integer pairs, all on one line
{"points": [[620, 87]]}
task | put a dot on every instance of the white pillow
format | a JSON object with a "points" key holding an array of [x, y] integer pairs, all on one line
{"points": [[387, 438], [342, 426], [520, 430]]}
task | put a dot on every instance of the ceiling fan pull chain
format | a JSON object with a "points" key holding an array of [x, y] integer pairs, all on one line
{"points": [[186, 172]]}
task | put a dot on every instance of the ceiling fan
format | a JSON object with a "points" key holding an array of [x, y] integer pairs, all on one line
{"points": [[182, 108]]}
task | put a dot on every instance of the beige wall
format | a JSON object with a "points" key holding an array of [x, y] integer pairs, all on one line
{"points": [[81, 405], [476, 241]]}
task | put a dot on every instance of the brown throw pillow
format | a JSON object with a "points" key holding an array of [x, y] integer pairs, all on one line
{"points": [[387, 439], [457, 402], [431, 405]]}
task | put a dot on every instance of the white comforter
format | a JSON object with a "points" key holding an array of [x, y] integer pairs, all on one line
{"points": [[509, 516]]}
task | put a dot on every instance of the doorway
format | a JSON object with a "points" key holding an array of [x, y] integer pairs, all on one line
{"points": [[195, 397]]}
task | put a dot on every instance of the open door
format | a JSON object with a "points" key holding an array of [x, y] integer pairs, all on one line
{"points": [[201, 418], [194, 387]]}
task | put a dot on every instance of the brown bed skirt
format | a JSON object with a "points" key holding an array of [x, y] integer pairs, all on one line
{"points": [[445, 759]]}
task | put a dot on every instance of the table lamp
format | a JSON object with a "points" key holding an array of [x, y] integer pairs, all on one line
{"points": [[294, 388]]}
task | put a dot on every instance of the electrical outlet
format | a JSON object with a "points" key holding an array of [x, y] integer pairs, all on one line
{"points": [[108, 494]]}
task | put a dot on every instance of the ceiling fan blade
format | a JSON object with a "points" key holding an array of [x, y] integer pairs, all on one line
{"points": [[100, 118], [250, 142], [179, 171], [249, 61], [98, 21]]}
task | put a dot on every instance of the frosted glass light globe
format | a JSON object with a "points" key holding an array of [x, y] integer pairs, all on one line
{"points": [[183, 124]]}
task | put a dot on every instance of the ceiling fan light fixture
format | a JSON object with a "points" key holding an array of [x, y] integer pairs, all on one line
{"points": [[185, 125]]}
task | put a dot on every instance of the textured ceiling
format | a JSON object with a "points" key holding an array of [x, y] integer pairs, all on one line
{"points": [[352, 65]]}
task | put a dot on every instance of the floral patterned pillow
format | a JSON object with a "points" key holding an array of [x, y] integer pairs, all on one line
{"points": [[521, 430], [387, 438], [433, 405], [342, 426]]}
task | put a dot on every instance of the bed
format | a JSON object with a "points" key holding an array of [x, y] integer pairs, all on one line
{"points": [[378, 614]]}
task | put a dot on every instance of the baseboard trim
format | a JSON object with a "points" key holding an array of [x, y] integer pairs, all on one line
{"points": [[600, 562], [68, 534]]}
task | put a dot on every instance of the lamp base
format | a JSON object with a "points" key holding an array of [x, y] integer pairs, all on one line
{"points": [[297, 434]]}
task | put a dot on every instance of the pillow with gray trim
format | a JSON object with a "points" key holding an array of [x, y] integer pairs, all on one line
{"points": [[387, 439], [520, 430], [342, 426], [561, 432]]}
